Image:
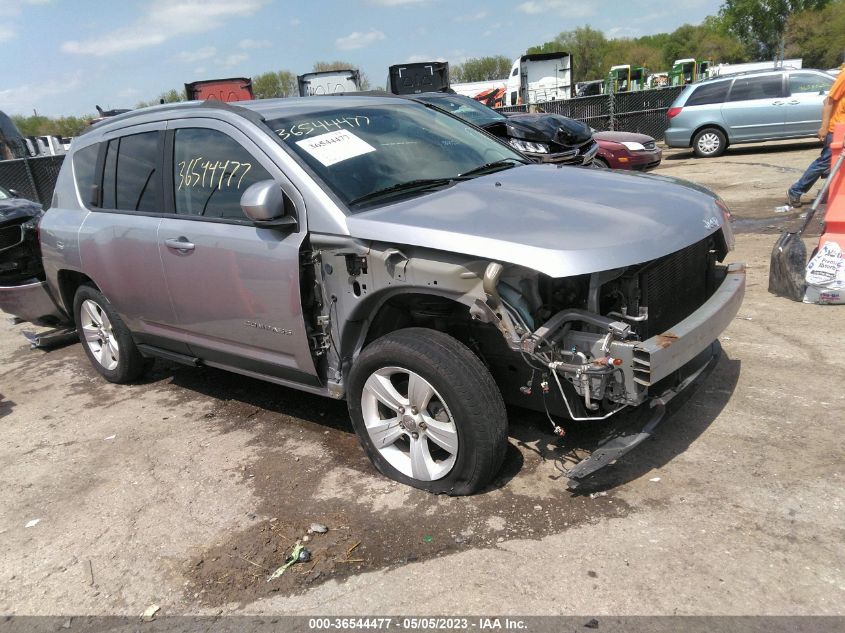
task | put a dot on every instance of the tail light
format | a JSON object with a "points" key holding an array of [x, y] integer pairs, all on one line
{"points": [[673, 112]]}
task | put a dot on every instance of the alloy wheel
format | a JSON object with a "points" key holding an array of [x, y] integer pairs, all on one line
{"points": [[99, 335], [409, 423]]}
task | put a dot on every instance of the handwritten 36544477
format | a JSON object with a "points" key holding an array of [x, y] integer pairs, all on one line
{"points": [[218, 174], [304, 128]]}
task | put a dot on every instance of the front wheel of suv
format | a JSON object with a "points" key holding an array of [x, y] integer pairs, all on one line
{"points": [[709, 143], [427, 412]]}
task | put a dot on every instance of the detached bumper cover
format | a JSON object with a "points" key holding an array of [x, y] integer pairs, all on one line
{"points": [[661, 355], [30, 301]]}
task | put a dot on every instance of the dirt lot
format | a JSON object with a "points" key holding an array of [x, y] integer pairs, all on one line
{"points": [[188, 489]]}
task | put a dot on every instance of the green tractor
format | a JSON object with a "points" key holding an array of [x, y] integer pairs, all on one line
{"points": [[626, 78], [687, 71]]}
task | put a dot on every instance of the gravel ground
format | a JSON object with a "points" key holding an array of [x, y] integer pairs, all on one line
{"points": [[189, 488]]}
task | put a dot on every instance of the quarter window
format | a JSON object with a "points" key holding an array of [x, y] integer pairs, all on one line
{"points": [[748, 88], [808, 83], [84, 165], [707, 94], [210, 173]]}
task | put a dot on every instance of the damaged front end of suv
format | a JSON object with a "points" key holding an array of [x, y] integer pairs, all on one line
{"points": [[578, 310]]}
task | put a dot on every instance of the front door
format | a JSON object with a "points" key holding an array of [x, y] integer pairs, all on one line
{"points": [[235, 287], [804, 104]]}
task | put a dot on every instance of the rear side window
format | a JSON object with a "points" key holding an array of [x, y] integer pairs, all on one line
{"points": [[210, 173], [808, 83], [84, 166], [130, 179], [709, 93], [748, 88]]}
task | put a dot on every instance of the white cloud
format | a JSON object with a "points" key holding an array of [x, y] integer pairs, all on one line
{"points": [[358, 40], [398, 3], [197, 55], [14, 7], [129, 93], [295, 21], [416, 59], [23, 98], [249, 43], [7, 33], [492, 30], [234, 59], [163, 21], [473, 17], [567, 8], [622, 31]]}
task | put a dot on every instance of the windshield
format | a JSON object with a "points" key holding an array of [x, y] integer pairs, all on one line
{"points": [[466, 108], [4, 195], [359, 151]]}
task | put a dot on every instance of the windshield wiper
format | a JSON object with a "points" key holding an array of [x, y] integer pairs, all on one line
{"points": [[505, 163], [419, 184]]}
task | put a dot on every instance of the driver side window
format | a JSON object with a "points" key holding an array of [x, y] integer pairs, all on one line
{"points": [[210, 173]]}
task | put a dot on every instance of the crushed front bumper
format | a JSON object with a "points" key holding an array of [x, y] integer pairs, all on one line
{"points": [[664, 366], [661, 355], [30, 301]]}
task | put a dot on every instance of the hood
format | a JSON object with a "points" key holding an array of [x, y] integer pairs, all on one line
{"points": [[560, 221], [619, 137], [549, 127], [12, 210]]}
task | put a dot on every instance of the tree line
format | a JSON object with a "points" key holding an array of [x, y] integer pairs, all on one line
{"points": [[743, 30]]}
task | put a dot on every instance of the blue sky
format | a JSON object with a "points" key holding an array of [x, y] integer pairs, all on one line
{"points": [[65, 56]]}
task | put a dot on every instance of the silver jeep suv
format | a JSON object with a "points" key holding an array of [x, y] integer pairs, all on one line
{"points": [[383, 251]]}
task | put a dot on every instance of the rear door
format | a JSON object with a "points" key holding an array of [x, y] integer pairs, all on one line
{"points": [[235, 287], [756, 108], [118, 241], [807, 92]]}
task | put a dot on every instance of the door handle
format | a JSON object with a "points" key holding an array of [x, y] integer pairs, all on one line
{"points": [[180, 244], [794, 102], [777, 102]]}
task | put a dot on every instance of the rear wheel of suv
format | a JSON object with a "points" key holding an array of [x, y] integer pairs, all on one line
{"points": [[427, 412], [105, 338], [709, 143]]}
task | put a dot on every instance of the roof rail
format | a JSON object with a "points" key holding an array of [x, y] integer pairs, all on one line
{"points": [[246, 113]]}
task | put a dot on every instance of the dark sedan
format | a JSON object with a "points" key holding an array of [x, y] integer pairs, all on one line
{"points": [[626, 150], [20, 253], [542, 137]]}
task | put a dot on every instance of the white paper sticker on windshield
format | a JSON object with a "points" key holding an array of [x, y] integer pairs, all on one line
{"points": [[335, 147]]}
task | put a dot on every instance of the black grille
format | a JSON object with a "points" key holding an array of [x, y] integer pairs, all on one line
{"points": [[675, 286], [10, 236]]}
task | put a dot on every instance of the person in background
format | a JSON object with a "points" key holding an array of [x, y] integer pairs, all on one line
{"points": [[833, 112]]}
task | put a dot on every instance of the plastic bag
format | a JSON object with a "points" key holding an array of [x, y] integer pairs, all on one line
{"points": [[825, 276]]}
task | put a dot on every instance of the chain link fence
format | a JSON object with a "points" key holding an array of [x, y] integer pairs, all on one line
{"points": [[642, 111], [32, 178]]}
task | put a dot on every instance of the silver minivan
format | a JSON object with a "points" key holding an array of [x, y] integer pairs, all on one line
{"points": [[747, 108]]}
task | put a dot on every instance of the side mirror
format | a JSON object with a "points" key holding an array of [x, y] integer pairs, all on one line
{"points": [[267, 206], [14, 193]]}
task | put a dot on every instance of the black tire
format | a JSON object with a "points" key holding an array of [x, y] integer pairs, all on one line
{"points": [[600, 163], [129, 364], [468, 393], [709, 143]]}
